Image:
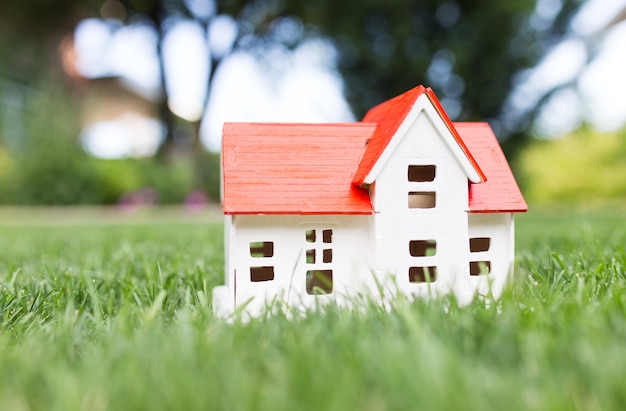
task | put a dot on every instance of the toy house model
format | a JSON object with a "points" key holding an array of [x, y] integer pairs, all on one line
{"points": [[404, 201]]}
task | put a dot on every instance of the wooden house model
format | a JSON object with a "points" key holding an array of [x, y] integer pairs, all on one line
{"points": [[405, 201]]}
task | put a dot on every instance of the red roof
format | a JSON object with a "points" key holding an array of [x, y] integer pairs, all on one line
{"points": [[500, 192], [294, 168], [282, 168], [389, 116]]}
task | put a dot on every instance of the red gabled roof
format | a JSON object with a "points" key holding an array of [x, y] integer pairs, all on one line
{"points": [[294, 168], [389, 116], [500, 192], [310, 168]]}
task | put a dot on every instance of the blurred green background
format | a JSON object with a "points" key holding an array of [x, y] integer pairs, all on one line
{"points": [[122, 101]]}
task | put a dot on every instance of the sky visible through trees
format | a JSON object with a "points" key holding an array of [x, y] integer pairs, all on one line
{"points": [[246, 91], [237, 60]]}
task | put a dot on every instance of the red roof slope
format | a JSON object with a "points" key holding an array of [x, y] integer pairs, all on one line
{"points": [[500, 192], [389, 116], [310, 168], [294, 168]]}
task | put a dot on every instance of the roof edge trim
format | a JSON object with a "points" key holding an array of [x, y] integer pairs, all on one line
{"points": [[444, 116], [471, 167]]}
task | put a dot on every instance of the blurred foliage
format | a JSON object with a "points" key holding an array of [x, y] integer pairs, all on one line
{"points": [[583, 167], [47, 167], [66, 175], [50, 167], [41, 160], [470, 53], [31, 31]]}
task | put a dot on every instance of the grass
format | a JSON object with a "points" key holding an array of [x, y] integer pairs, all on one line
{"points": [[118, 316]]}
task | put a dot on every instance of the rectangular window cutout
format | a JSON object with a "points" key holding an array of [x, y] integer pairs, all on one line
{"points": [[258, 274], [421, 174], [260, 249], [319, 282], [310, 236], [422, 248], [327, 236], [480, 267], [478, 244], [310, 256], [422, 274], [327, 256], [419, 199]]}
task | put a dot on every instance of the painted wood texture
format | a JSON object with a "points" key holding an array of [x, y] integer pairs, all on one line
{"points": [[500, 193], [294, 168]]}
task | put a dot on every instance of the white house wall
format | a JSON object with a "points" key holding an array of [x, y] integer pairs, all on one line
{"points": [[397, 224], [350, 259], [499, 228], [224, 295]]}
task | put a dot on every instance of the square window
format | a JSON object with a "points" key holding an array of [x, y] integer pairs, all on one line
{"points": [[422, 274], [258, 274], [480, 267], [260, 249], [319, 282], [327, 256], [422, 248], [310, 256], [327, 236], [479, 244], [421, 174], [420, 199], [310, 236]]}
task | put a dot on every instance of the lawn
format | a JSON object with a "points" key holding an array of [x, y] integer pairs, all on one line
{"points": [[100, 311]]}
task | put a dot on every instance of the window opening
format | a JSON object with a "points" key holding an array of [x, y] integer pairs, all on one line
{"points": [[422, 199], [319, 278], [259, 274], [260, 249], [327, 236], [421, 174], [422, 248], [480, 267], [310, 256], [319, 282], [422, 274], [327, 255], [310, 236], [479, 244]]}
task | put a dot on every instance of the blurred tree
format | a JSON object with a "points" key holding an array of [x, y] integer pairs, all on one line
{"points": [[31, 34], [157, 14], [470, 52]]}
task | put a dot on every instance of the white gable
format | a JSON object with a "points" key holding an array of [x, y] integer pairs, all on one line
{"points": [[424, 105]]}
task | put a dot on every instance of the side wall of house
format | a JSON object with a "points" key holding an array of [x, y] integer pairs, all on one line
{"points": [[301, 260], [492, 254], [224, 295], [420, 200]]}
